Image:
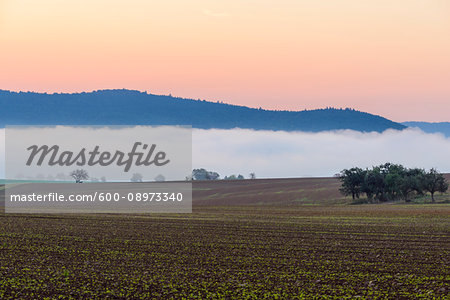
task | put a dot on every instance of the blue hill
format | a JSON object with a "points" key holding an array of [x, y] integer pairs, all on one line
{"points": [[442, 127], [128, 107]]}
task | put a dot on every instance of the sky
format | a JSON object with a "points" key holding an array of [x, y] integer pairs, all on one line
{"points": [[385, 57]]}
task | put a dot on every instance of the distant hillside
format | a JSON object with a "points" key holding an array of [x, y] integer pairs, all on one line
{"points": [[443, 127], [108, 107]]}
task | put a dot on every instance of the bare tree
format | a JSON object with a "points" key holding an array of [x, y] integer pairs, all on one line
{"points": [[252, 175], [79, 175]]}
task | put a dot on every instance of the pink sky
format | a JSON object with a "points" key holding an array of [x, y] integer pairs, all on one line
{"points": [[386, 57]]}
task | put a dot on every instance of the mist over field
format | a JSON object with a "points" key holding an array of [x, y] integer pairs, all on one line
{"points": [[298, 154]]}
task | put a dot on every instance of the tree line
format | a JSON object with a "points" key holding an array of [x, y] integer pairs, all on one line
{"points": [[203, 174], [391, 182]]}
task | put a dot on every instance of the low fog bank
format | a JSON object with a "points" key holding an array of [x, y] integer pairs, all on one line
{"points": [[302, 154], [272, 154]]}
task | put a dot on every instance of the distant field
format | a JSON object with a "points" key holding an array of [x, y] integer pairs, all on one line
{"points": [[244, 239], [294, 191], [286, 191], [268, 191]]}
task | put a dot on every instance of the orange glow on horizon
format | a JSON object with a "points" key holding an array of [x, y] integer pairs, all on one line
{"points": [[377, 56]]}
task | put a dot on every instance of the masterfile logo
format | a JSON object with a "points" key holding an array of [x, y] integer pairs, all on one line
{"points": [[53, 156], [98, 169], [114, 153]]}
